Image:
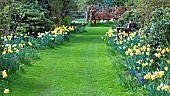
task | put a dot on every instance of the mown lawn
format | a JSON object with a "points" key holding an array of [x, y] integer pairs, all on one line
{"points": [[80, 67]]}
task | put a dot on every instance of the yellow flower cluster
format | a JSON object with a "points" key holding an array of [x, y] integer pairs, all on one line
{"points": [[62, 30], [162, 52], [12, 36], [149, 63], [8, 48], [163, 87], [8, 37], [154, 75], [109, 33], [138, 49]]}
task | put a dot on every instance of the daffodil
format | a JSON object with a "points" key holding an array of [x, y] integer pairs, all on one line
{"points": [[166, 68], [139, 44], [14, 45], [137, 51], [160, 74], [145, 64], [153, 77], [139, 61], [4, 74], [127, 53], [52, 38], [17, 51], [147, 76], [148, 49], [166, 88], [144, 48], [6, 91], [147, 53], [131, 54], [29, 43], [10, 50], [163, 51], [168, 61], [158, 55], [148, 45], [151, 61], [121, 42], [4, 52], [158, 88]]}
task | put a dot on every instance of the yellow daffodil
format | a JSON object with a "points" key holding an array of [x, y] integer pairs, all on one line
{"points": [[143, 53], [29, 43], [167, 50], [139, 44], [137, 51], [148, 49], [10, 50], [158, 88], [4, 52], [145, 64], [138, 68], [166, 88], [147, 53], [52, 38], [17, 51], [121, 42], [144, 48], [147, 76], [151, 61], [127, 53], [116, 38], [166, 68], [158, 55], [160, 74], [148, 45], [163, 51], [110, 30], [14, 45], [153, 77], [135, 47], [168, 61], [158, 49], [139, 61], [129, 50], [131, 54], [4, 74], [6, 91]]}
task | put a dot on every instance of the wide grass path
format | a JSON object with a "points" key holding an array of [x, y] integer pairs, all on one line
{"points": [[80, 67]]}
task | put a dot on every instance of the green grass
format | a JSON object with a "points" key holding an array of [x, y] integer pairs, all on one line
{"points": [[80, 67]]}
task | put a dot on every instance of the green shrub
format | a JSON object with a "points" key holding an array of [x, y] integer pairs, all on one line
{"points": [[26, 17], [157, 31], [132, 15]]}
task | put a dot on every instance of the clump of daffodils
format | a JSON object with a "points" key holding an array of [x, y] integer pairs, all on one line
{"points": [[163, 87], [110, 33], [162, 52], [4, 75], [62, 30], [155, 75], [139, 50]]}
